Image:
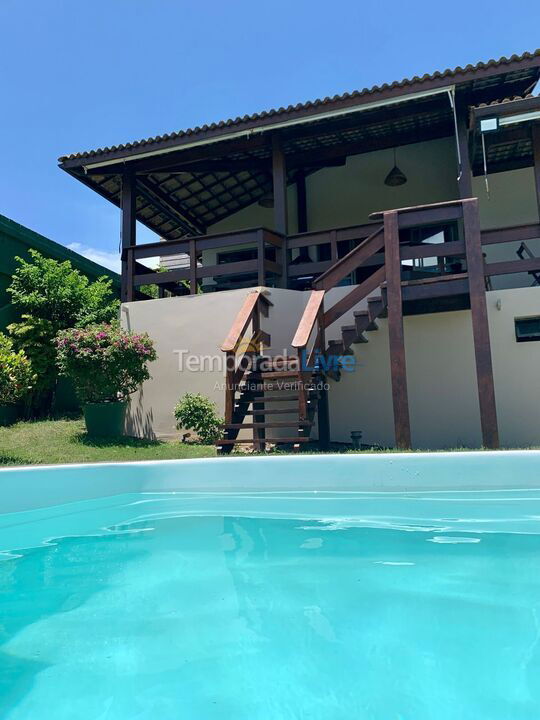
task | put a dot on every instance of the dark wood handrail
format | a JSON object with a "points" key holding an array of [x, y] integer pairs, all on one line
{"points": [[242, 320], [351, 261], [309, 318]]}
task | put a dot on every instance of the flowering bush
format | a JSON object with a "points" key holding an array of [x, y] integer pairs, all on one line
{"points": [[16, 375], [105, 363], [198, 413]]}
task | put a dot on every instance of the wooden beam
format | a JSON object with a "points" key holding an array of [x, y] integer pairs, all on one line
{"points": [[358, 293], [480, 325], [163, 200], [192, 266], [301, 201], [396, 334], [279, 179], [128, 233], [536, 156]]}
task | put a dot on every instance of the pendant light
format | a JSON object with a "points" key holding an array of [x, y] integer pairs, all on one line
{"points": [[396, 176]]}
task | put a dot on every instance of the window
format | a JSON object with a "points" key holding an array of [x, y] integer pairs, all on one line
{"points": [[527, 329]]}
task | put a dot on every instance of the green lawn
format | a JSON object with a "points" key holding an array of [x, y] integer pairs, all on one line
{"points": [[65, 441]]}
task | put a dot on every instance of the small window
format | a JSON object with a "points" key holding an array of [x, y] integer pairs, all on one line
{"points": [[527, 329]]}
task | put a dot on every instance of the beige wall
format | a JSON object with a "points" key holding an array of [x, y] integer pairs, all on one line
{"points": [[346, 195], [511, 201], [440, 367], [442, 380], [198, 324]]}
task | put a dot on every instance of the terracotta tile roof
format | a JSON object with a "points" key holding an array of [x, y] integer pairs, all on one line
{"points": [[463, 73], [505, 101]]}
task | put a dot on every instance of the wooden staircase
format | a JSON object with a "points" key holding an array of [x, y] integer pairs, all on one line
{"points": [[276, 400], [269, 400]]}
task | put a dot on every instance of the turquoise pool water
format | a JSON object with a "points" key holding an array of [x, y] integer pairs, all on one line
{"points": [[273, 606]]}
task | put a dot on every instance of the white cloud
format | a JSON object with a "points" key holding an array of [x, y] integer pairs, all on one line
{"points": [[102, 257], [109, 260]]}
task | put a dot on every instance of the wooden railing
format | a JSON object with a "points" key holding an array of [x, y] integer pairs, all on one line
{"points": [[260, 239], [282, 273], [242, 350], [316, 320]]}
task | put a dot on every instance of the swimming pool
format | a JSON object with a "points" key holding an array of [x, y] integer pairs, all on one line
{"points": [[403, 587]]}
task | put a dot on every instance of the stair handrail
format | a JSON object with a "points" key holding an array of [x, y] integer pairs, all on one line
{"points": [[309, 318], [350, 262], [255, 304], [244, 317]]}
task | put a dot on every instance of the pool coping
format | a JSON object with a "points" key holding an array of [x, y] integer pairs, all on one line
{"points": [[37, 486]]}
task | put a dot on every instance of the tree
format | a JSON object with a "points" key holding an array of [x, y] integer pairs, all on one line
{"points": [[52, 296]]}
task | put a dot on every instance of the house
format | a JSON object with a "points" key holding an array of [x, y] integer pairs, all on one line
{"points": [[16, 240], [406, 215]]}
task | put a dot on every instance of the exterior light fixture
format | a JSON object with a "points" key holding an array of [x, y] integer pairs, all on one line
{"points": [[267, 200], [396, 176], [489, 124]]}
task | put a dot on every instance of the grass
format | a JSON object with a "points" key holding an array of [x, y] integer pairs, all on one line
{"points": [[49, 442], [65, 441]]}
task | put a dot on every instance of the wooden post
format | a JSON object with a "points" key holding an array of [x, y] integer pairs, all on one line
{"points": [[229, 387], [333, 246], [323, 410], [480, 325], [261, 270], [536, 154], [128, 234], [258, 433], [465, 179], [279, 178], [395, 330], [281, 216], [130, 273], [192, 266], [301, 202]]}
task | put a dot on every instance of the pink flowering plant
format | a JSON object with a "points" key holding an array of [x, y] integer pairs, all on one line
{"points": [[104, 362]]}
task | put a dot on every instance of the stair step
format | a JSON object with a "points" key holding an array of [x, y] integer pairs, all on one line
{"points": [[376, 307], [336, 347], [280, 441], [263, 425], [273, 374], [274, 411], [364, 322], [281, 363], [287, 397], [271, 386], [349, 335]]}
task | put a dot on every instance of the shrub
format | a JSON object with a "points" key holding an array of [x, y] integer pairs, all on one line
{"points": [[198, 413], [104, 362], [16, 375], [52, 296]]}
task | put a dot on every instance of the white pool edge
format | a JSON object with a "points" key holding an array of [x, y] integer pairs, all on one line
{"points": [[30, 487]]}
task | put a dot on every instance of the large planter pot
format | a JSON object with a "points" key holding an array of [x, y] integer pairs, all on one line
{"points": [[8, 415], [105, 419]]}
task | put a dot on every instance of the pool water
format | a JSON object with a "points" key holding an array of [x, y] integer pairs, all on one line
{"points": [[273, 606]]}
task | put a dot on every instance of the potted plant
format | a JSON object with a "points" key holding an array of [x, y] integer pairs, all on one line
{"points": [[16, 379], [106, 364]]}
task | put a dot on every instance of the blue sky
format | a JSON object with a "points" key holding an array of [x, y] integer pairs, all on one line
{"points": [[81, 74]]}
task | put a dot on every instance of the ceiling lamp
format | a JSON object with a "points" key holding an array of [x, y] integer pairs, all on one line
{"points": [[396, 176], [267, 200]]}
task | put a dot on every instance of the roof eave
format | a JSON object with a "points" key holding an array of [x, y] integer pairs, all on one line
{"points": [[237, 128]]}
